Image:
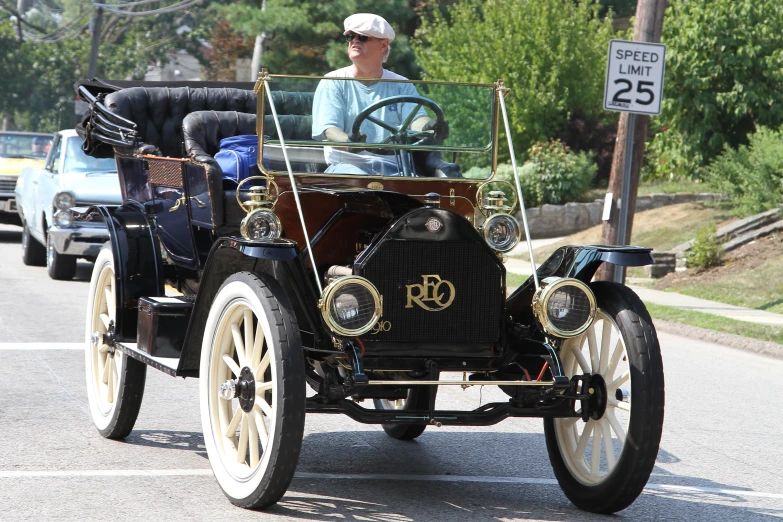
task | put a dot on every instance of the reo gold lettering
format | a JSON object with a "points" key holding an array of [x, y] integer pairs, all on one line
{"points": [[439, 292]]}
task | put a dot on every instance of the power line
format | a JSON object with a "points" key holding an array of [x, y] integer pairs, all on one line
{"points": [[178, 6]]}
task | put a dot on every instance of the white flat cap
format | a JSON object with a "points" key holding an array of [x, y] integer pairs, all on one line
{"points": [[370, 25]]}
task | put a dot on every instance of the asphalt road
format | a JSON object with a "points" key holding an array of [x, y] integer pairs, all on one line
{"points": [[721, 457]]}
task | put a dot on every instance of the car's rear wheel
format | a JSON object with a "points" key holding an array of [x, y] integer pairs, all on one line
{"points": [[33, 252], [603, 464], [418, 399], [115, 382], [60, 266], [252, 390]]}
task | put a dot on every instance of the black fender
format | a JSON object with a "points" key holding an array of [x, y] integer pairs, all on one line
{"points": [[138, 271], [279, 259], [579, 262]]}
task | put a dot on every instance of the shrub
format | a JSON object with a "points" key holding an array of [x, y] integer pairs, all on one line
{"points": [[558, 174], [553, 175], [706, 251], [751, 176]]}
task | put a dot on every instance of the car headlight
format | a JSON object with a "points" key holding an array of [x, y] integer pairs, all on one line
{"points": [[64, 200], [564, 307], [260, 224], [351, 306], [63, 218], [501, 232]]}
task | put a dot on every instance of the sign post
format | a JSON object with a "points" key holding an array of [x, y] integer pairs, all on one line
{"points": [[634, 84]]}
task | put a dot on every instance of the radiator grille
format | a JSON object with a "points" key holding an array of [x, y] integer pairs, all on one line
{"points": [[398, 270], [166, 173], [7, 183]]}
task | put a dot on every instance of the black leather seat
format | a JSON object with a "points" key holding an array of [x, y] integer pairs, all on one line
{"points": [[159, 112]]}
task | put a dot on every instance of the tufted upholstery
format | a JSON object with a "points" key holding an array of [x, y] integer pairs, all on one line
{"points": [[203, 130], [159, 111]]}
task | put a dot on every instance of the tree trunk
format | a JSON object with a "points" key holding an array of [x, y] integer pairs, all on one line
{"points": [[647, 28]]}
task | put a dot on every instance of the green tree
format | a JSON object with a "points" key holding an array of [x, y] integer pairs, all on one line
{"points": [[42, 69], [724, 71], [13, 64], [550, 53], [305, 36]]}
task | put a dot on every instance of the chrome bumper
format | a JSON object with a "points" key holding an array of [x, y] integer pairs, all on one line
{"points": [[8, 205], [79, 240]]}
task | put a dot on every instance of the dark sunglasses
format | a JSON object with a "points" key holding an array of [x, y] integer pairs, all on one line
{"points": [[350, 36]]}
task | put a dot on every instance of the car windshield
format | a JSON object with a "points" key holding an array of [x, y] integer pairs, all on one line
{"points": [[344, 126], [77, 161], [14, 145]]}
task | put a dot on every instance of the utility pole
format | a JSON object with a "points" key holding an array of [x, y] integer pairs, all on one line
{"points": [[648, 27], [97, 23], [21, 7], [258, 51]]}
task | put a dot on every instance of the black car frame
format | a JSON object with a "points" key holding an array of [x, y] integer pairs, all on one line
{"points": [[380, 286]]}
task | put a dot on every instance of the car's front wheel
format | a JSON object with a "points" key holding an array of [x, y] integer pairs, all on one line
{"points": [[252, 390], [115, 382], [33, 252], [603, 464], [60, 266]]}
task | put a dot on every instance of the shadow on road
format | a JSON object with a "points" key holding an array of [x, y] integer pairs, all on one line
{"points": [[83, 271], [383, 494], [9, 235], [175, 440]]}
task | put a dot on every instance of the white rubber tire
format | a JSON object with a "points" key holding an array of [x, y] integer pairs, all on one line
{"points": [[253, 453], [115, 384]]}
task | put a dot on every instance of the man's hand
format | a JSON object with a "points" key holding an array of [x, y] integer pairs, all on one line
{"points": [[439, 128], [357, 138]]}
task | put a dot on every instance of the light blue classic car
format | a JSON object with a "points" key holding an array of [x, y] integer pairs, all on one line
{"points": [[46, 198]]}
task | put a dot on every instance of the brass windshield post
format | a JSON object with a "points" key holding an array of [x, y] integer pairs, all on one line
{"points": [[502, 92]]}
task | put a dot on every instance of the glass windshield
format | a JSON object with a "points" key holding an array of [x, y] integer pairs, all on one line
{"points": [[24, 145], [77, 161], [345, 126]]}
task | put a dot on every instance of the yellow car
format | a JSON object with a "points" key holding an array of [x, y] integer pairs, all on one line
{"points": [[18, 151]]}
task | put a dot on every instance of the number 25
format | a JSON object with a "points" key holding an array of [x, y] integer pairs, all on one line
{"points": [[641, 88]]}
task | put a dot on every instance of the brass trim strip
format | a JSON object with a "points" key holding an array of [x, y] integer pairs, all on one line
{"points": [[164, 158], [423, 82]]}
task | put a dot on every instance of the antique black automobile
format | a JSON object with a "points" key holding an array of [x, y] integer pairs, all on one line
{"points": [[366, 270]]}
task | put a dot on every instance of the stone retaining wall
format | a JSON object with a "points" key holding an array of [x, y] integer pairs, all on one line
{"points": [[561, 220]]}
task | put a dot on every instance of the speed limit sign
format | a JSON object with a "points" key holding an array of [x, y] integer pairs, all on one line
{"points": [[634, 77]]}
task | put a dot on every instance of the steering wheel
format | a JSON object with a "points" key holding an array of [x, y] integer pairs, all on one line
{"points": [[401, 135]]}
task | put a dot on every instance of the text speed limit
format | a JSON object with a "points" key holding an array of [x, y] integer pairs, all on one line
{"points": [[634, 77]]}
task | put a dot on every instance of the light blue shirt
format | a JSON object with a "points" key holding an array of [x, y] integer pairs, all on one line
{"points": [[337, 103]]}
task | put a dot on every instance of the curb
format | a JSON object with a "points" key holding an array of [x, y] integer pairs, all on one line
{"points": [[735, 341]]}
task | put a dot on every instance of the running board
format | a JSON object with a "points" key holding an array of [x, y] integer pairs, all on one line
{"points": [[167, 365]]}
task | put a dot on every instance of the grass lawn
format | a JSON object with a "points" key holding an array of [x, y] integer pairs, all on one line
{"points": [[758, 287], [717, 323], [752, 276], [660, 228]]}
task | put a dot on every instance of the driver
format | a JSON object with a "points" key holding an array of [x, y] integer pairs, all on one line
{"points": [[38, 146], [336, 104]]}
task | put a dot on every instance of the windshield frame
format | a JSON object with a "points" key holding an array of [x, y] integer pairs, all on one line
{"points": [[498, 89]]}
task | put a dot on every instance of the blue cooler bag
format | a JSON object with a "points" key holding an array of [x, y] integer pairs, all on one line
{"points": [[238, 157]]}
